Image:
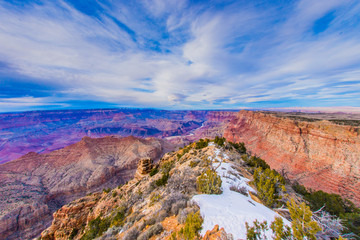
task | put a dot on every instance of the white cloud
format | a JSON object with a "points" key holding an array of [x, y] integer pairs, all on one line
{"points": [[216, 57]]}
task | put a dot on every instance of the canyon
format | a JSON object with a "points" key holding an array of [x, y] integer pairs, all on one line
{"points": [[50, 158], [35, 185], [321, 155], [46, 131]]}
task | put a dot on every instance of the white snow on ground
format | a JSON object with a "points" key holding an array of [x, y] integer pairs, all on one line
{"points": [[230, 209]]}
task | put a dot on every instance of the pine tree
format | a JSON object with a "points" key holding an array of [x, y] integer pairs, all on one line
{"points": [[303, 226], [256, 232], [281, 231]]}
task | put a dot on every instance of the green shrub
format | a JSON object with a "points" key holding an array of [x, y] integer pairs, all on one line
{"points": [[106, 190], [302, 225], [219, 141], [167, 166], [240, 147], [193, 164], [300, 189], [209, 182], [352, 222], [154, 198], [280, 230], [97, 227], [192, 226], [163, 180], [119, 218], [114, 194], [333, 204], [153, 171], [269, 185], [256, 162], [202, 143], [256, 232]]}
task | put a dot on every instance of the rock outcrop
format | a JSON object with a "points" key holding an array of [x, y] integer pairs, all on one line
{"points": [[145, 165], [320, 155], [35, 185], [217, 234]]}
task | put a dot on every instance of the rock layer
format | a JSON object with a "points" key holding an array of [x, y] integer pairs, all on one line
{"points": [[320, 155], [35, 185]]}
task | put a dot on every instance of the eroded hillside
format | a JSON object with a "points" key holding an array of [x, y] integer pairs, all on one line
{"points": [[35, 185]]}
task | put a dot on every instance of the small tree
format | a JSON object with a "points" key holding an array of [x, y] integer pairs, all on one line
{"points": [[209, 182], [192, 226], [269, 185], [303, 226], [280, 230], [256, 232]]}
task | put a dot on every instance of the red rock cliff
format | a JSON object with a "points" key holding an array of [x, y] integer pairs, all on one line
{"points": [[320, 155]]}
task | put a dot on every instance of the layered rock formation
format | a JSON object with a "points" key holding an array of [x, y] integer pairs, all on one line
{"points": [[35, 185], [320, 154], [145, 165]]}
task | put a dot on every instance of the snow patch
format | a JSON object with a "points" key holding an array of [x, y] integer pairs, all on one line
{"points": [[230, 209]]}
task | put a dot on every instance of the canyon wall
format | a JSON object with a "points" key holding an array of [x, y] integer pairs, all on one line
{"points": [[319, 155]]}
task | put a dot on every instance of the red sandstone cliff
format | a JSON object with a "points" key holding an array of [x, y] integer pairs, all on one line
{"points": [[320, 155]]}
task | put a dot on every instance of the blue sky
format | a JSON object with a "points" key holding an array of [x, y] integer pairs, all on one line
{"points": [[179, 54]]}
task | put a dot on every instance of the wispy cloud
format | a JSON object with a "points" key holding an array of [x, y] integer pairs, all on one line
{"points": [[178, 54]]}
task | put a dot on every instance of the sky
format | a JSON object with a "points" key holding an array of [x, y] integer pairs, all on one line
{"points": [[179, 54]]}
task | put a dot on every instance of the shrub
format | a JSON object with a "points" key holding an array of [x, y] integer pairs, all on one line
{"points": [[193, 164], [269, 185], [239, 189], [114, 194], [192, 226], [256, 162], [240, 147], [151, 231], [106, 190], [182, 215], [280, 230], [167, 166], [209, 182], [132, 234], [172, 199], [161, 215], [153, 171], [302, 225], [163, 180], [177, 206], [333, 204], [201, 143], [119, 218], [154, 198], [256, 232], [183, 181], [219, 141], [97, 227]]}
